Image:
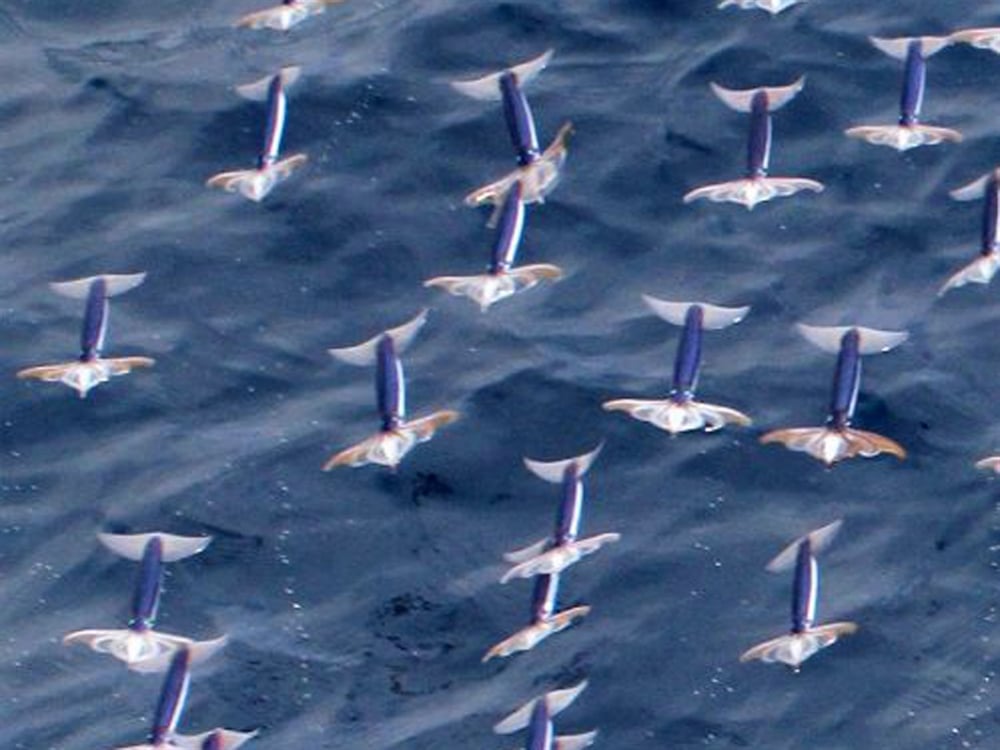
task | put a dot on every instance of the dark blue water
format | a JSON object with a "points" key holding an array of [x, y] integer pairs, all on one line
{"points": [[360, 602]]}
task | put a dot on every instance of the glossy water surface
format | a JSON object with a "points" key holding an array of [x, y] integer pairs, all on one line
{"points": [[359, 602]]}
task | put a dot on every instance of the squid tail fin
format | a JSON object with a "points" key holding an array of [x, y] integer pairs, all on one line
{"points": [[388, 448], [904, 137], [980, 271], [750, 191], [830, 445]]}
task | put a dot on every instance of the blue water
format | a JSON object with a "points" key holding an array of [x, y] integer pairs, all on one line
{"points": [[360, 602]]}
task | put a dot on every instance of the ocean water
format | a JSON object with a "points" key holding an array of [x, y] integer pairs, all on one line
{"points": [[359, 602]]}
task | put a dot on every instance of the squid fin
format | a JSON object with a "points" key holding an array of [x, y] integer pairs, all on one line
{"points": [[553, 471], [980, 271], [175, 547], [904, 137], [742, 99], [714, 317], [258, 90], [487, 88], [819, 539], [402, 336], [831, 445], [871, 340], [556, 701]]}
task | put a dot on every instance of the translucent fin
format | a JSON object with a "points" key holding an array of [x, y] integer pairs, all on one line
{"points": [[771, 6], [200, 651], [556, 559], [487, 88], [556, 701], [284, 168], [389, 448], [973, 190], [53, 373], [537, 179], [258, 90], [527, 276], [175, 547], [127, 645], [899, 46], [529, 637], [904, 137], [285, 16], [818, 541], [679, 416], [985, 38], [794, 648], [279, 18], [125, 365], [115, 283], [574, 741], [741, 99], [791, 649], [526, 553], [83, 376], [871, 340], [750, 191], [991, 463], [552, 471], [228, 739], [425, 427], [402, 336], [830, 445], [714, 317], [256, 184], [487, 289], [980, 271]]}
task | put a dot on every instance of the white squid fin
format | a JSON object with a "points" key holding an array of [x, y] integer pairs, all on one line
{"points": [[529, 637], [974, 189], [980, 271], [115, 283], [904, 137], [990, 463], [574, 741], [82, 376], [127, 645], [831, 445], [871, 340], [175, 547], [199, 650], [794, 648], [389, 448], [742, 99], [229, 739], [489, 288], [402, 336], [256, 184], [526, 553], [552, 471], [714, 317], [257, 90], [556, 702], [751, 191], [773, 7], [556, 559], [984, 38], [819, 539], [487, 88], [899, 46], [537, 179], [679, 416]]}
